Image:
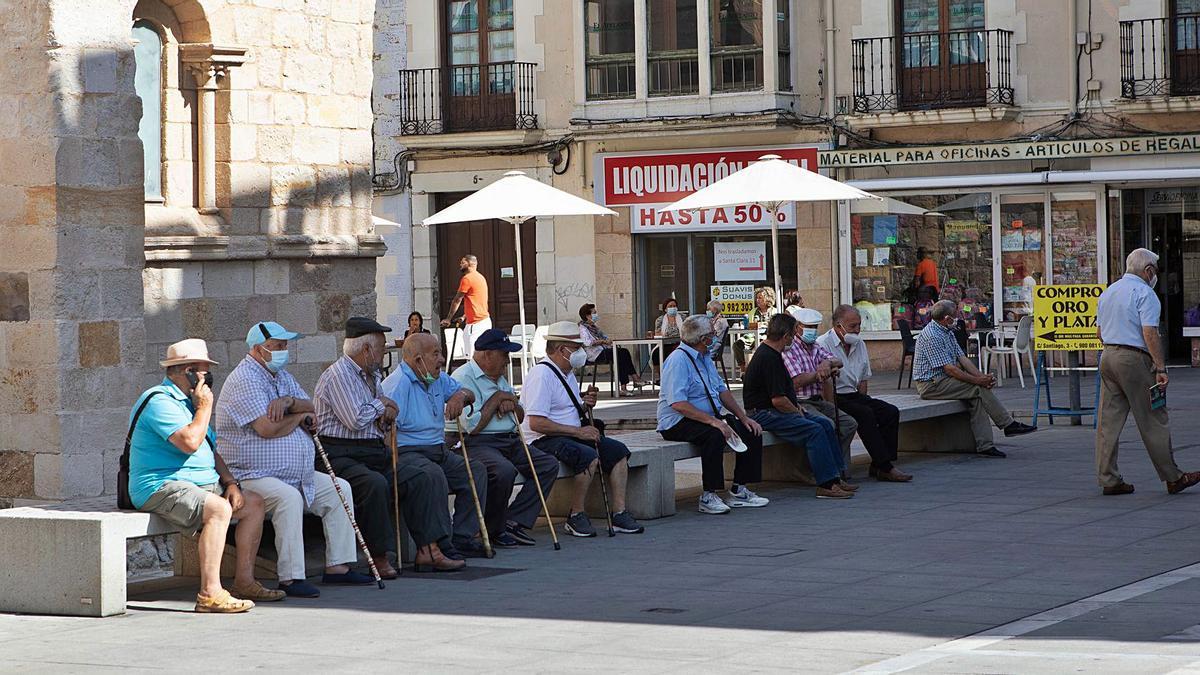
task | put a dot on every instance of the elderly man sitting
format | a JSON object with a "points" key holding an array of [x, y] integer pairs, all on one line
{"points": [[262, 419], [943, 372], [688, 410], [878, 421], [812, 368], [427, 398], [493, 441], [352, 413], [770, 399], [175, 471]]}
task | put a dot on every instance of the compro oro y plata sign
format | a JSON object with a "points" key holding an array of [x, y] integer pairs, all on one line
{"points": [[1064, 317]]}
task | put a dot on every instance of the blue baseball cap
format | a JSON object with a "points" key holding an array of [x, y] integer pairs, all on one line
{"points": [[494, 339], [268, 330]]}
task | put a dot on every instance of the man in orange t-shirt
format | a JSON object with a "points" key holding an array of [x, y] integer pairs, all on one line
{"points": [[926, 272], [472, 289]]}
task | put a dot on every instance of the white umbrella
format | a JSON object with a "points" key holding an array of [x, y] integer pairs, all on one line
{"points": [[770, 182], [516, 198]]}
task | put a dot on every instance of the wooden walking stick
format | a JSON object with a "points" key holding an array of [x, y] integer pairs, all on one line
{"points": [[362, 543], [537, 482], [396, 505], [483, 533]]}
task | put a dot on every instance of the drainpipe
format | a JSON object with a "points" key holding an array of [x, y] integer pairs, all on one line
{"points": [[830, 61], [1073, 23]]}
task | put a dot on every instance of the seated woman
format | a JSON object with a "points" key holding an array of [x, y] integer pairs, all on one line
{"points": [[416, 324], [667, 326], [600, 350], [764, 309], [720, 325]]}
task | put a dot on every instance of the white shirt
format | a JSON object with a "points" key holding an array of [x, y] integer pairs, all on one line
{"points": [[856, 365], [543, 395]]}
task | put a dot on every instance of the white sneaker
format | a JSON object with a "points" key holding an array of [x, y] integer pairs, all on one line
{"points": [[712, 504], [745, 498]]}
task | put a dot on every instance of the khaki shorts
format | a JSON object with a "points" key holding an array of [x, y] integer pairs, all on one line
{"points": [[182, 503]]}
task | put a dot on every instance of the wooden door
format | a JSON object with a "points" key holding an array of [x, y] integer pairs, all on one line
{"points": [[942, 51], [479, 79], [494, 244], [1183, 32]]}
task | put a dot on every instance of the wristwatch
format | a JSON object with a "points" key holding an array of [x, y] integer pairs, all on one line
{"points": [[232, 482]]}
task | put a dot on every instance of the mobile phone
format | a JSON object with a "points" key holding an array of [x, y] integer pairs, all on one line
{"points": [[194, 379], [1158, 397]]}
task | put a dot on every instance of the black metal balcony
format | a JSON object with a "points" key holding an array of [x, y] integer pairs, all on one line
{"points": [[450, 99], [1160, 57], [933, 71]]}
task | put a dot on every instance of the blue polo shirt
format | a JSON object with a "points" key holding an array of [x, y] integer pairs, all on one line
{"points": [[471, 377], [422, 410], [681, 382], [1124, 308], [154, 460]]}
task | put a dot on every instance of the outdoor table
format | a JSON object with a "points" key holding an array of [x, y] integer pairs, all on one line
{"points": [[635, 343]]}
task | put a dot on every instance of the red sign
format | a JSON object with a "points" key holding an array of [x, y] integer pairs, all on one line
{"points": [[665, 178]]}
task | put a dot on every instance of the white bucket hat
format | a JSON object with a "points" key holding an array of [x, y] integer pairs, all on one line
{"points": [[192, 350], [564, 331]]}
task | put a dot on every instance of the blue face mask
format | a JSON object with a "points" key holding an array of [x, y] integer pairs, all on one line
{"points": [[809, 335], [278, 360], [672, 311], [710, 314], [595, 317]]}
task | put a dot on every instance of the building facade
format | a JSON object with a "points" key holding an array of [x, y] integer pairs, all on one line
{"points": [[1019, 142], [175, 168]]}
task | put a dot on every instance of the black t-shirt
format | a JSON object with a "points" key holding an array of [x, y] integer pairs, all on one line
{"points": [[766, 377]]}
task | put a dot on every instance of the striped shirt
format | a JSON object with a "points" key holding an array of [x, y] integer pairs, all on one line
{"points": [[347, 402], [936, 348], [804, 358], [245, 395]]}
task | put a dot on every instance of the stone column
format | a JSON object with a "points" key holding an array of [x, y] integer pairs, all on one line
{"points": [[209, 65]]}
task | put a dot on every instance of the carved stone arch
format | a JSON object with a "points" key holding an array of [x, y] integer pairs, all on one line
{"points": [[193, 20]]}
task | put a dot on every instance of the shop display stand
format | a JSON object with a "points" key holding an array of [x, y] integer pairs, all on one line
{"points": [[1073, 369]]}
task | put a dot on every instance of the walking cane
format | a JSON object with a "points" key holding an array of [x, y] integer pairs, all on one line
{"points": [[603, 484], [396, 504], [483, 533], [537, 482], [362, 543]]}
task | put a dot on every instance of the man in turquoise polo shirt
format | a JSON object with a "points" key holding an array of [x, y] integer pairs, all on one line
{"points": [[426, 397], [175, 472], [491, 425]]}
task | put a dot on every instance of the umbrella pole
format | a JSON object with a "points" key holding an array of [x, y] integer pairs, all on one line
{"points": [[527, 341], [771, 212]]}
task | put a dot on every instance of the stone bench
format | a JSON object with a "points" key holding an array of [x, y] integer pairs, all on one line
{"points": [[925, 426], [1193, 333]]}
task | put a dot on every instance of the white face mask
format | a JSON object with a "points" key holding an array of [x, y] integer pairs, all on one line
{"points": [[578, 359], [1153, 281], [852, 339]]}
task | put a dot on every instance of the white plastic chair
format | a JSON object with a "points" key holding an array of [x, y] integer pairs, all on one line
{"points": [[538, 349], [1022, 345], [456, 341]]}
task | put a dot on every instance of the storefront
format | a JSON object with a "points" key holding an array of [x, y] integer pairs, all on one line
{"points": [[689, 256], [988, 229]]}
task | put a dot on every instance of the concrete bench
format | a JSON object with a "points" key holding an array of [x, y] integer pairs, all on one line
{"points": [[69, 558], [1193, 333], [925, 426]]}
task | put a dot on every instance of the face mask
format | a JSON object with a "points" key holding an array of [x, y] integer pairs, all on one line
{"points": [[672, 311], [278, 360], [710, 314], [1153, 281], [426, 377], [578, 359], [809, 335], [595, 318], [852, 339]]}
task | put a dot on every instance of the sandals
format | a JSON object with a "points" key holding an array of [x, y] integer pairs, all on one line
{"points": [[222, 603], [258, 592]]}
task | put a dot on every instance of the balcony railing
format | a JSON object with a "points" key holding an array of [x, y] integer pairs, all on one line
{"points": [[673, 73], [1160, 57], [933, 71], [737, 68], [490, 97]]}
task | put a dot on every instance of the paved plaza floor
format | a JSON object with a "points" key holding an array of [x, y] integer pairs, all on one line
{"points": [[979, 565]]}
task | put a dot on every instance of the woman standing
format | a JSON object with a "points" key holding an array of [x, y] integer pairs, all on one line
{"points": [[599, 349]]}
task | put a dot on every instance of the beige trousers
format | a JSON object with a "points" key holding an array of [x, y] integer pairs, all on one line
{"points": [[1126, 376], [285, 507], [986, 409]]}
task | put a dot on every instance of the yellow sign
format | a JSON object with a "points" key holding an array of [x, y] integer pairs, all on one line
{"points": [[1064, 317], [736, 299]]}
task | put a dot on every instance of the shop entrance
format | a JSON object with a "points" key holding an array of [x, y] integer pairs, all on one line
{"points": [[1167, 221]]}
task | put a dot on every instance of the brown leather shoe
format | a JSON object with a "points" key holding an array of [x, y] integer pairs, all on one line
{"points": [[1120, 489], [1185, 481], [430, 559], [834, 492], [847, 487], [893, 476]]}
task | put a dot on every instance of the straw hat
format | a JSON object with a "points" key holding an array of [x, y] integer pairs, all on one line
{"points": [[564, 331], [193, 350]]}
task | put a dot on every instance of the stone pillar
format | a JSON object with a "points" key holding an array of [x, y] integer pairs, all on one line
{"points": [[209, 65]]}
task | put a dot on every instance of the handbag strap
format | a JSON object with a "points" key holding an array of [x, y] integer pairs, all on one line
{"points": [[704, 382], [570, 394], [137, 415]]}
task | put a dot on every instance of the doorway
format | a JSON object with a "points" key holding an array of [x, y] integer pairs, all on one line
{"points": [[1167, 221], [493, 242]]}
